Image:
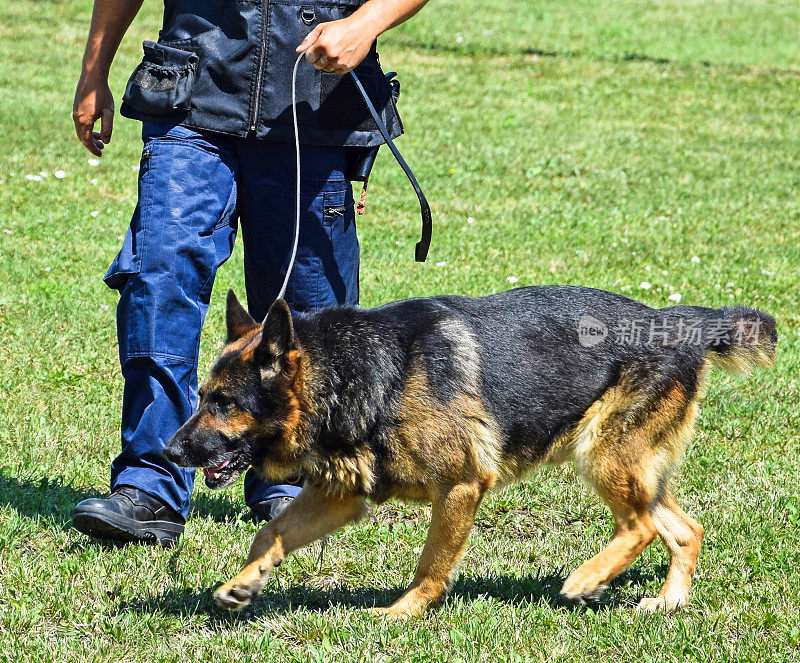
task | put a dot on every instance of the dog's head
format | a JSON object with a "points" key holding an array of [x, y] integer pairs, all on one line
{"points": [[251, 403]]}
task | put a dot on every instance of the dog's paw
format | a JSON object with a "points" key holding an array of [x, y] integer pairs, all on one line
{"points": [[581, 592], [235, 596], [389, 612], [412, 604], [660, 604]]}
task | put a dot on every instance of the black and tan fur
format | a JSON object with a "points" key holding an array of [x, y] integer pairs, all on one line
{"points": [[444, 398]]}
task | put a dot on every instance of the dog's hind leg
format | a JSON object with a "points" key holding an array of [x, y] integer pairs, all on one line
{"points": [[682, 536], [634, 530], [452, 516], [310, 516], [627, 447]]}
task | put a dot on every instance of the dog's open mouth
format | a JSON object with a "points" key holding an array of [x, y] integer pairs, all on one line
{"points": [[225, 473]]}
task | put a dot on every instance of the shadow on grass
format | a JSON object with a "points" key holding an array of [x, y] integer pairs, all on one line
{"points": [[42, 499], [500, 50], [52, 502], [532, 588]]}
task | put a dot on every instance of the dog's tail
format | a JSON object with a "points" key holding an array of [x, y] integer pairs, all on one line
{"points": [[736, 338]]}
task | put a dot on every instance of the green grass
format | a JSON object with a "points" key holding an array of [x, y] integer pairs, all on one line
{"points": [[602, 144]]}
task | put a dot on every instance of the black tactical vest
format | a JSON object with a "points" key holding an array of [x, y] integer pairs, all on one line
{"points": [[226, 66]]}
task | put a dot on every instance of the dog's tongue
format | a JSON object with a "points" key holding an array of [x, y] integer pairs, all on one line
{"points": [[211, 472]]}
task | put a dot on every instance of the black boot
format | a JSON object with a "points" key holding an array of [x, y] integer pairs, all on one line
{"points": [[129, 514], [266, 510]]}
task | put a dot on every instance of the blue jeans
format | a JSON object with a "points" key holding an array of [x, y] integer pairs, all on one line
{"points": [[194, 187]]}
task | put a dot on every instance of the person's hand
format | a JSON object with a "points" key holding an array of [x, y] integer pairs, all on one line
{"points": [[338, 46], [93, 101]]}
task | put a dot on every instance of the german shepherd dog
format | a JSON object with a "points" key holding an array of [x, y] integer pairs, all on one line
{"points": [[444, 398]]}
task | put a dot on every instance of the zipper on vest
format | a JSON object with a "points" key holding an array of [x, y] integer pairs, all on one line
{"points": [[260, 72]]}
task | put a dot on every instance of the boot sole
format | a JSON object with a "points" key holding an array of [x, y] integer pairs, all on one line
{"points": [[113, 527]]}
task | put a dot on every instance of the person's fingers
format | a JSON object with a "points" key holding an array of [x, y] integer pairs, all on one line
{"points": [[313, 53], [106, 125], [99, 143], [324, 63], [81, 128], [311, 37], [92, 147], [84, 130]]}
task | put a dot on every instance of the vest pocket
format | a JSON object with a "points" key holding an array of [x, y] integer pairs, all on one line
{"points": [[341, 105], [162, 83]]}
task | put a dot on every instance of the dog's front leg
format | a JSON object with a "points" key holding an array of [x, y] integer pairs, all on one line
{"points": [[310, 516], [452, 514]]}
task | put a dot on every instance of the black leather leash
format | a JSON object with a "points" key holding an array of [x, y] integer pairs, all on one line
{"points": [[421, 249]]}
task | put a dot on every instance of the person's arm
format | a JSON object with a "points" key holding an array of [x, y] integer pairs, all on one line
{"points": [[93, 99], [340, 46]]}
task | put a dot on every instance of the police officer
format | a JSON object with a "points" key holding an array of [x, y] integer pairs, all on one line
{"points": [[214, 97]]}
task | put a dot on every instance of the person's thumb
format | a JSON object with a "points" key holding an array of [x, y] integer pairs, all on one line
{"points": [[310, 38]]}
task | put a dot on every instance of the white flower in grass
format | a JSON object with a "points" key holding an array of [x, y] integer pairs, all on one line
{"points": [[470, 219], [441, 264], [695, 259], [60, 174], [512, 279], [136, 167], [675, 297], [43, 173], [95, 213], [93, 162], [93, 181], [644, 285]]}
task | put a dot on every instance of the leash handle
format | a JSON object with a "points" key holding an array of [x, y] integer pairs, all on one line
{"points": [[421, 249], [282, 292]]}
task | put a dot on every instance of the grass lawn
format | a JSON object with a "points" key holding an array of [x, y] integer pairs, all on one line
{"points": [[605, 144]]}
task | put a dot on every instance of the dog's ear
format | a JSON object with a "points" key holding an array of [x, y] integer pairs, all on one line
{"points": [[277, 336], [238, 320]]}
